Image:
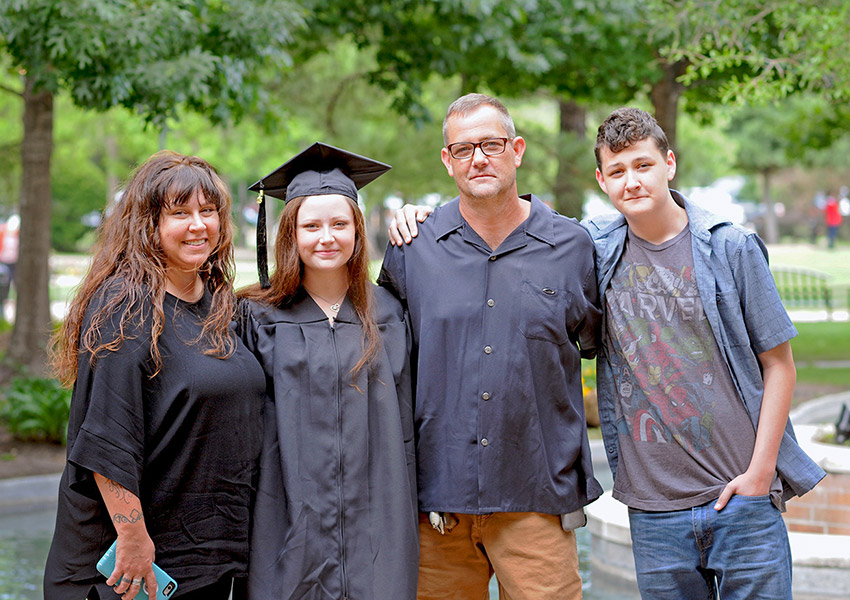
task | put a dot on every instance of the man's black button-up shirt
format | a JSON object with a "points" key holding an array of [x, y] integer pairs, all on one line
{"points": [[499, 411]]}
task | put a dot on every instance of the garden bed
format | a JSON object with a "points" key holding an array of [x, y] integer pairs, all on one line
{"points": [[19, 459]]}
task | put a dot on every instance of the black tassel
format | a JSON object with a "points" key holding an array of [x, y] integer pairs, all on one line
{"points": [[262, 254]]}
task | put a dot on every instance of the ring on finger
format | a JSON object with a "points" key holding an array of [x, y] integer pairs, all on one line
{"points": [[137, 581]]}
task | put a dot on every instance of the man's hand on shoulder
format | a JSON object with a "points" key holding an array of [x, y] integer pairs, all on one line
{"points": [[403, 228]]}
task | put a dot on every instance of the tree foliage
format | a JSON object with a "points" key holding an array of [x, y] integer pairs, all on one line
{"points": [[785, 133], [10, 149], [780, 46], [514, 47], [573, 51], [150, 56], [579, 54]]}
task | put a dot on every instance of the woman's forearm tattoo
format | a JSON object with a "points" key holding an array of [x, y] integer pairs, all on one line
{"points": [[134, 517], [119, 490], [123, 494]]}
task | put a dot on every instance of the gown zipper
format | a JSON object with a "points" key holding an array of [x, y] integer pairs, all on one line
{"points": [[340, 471]]}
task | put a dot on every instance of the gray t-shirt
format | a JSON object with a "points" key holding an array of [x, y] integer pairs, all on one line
{"points": [[684, 432]]}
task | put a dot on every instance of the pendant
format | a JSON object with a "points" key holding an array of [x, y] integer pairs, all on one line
{"points": [[335, 307]]}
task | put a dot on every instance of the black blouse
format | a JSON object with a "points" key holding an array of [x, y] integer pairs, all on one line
{"points": [[186, 441]]}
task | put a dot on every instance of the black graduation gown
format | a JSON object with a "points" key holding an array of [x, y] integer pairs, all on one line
{"points": [[186, 442], [336, 512]]}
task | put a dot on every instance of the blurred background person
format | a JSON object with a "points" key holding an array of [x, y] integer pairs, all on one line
{"points": [[9, 232], [833, 218]]}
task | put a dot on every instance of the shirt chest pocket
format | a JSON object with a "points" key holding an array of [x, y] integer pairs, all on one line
{"points": [[544, 312]]}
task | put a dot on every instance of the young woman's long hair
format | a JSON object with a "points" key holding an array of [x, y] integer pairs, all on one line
{"points": [[286, 281], [128, 267]]}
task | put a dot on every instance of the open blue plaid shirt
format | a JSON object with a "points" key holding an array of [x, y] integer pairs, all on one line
{"points": [[746, 316]]}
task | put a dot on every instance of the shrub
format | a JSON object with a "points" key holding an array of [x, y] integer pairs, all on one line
{"points": [[588, 376], [37, 409]]}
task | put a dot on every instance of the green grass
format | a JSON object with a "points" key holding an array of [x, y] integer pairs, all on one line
{"points": [[245, 275], [375, 268], [822, 341], [839, 377], [835, 263], [594, 433]]}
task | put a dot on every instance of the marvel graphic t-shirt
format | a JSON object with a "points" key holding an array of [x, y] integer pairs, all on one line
{"points": [[683, 431]]}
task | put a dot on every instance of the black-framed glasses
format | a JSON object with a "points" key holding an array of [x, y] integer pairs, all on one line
{"points": [[490, 147]]}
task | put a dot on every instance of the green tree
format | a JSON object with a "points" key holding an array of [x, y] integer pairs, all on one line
{"points": [[782, 134], [578, 54], [151, 56], [10, 147], [575, 52], [778, 46]]}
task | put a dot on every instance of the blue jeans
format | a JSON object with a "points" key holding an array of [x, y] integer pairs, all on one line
{"points": [[740, 552]]}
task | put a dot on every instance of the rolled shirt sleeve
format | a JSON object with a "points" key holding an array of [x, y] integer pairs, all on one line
{"points": [[110, 412], [766, 319]]}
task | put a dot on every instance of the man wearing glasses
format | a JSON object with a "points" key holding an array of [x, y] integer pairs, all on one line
{"points": [[502, 297]]}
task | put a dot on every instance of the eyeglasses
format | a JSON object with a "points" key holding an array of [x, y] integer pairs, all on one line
{"points": [[490, 147]]}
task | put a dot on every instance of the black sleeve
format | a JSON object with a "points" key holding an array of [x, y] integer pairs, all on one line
{"points": [[392, 273], [397, 340], [588, 326], [108, 408], [246, 324]]}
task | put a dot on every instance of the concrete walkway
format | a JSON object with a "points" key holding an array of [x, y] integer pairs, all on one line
{"points": [[826, 364], [25, 494]]}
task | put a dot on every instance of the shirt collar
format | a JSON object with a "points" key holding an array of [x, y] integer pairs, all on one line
{"points": [[447, 219], [303, 309], [538, 225], [700, 221]]}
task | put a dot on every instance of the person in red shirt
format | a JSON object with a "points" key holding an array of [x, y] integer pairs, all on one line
{"points": [[833, 219]]}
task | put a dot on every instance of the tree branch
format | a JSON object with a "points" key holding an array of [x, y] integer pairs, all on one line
{"points": [[336, 95], [11, 90]]}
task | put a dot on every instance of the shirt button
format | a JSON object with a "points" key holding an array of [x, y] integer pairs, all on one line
{"points": [[487, 349], [492, 258], [486, 395], [484, 442], [491, 302]]}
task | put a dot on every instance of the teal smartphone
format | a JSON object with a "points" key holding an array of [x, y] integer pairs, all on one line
{"points": [[165, 585]]}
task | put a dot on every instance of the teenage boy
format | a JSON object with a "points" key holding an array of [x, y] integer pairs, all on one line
{"points": [[695, 377]]}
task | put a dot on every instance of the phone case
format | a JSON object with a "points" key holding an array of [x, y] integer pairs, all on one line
{"points": [[164, 583]]}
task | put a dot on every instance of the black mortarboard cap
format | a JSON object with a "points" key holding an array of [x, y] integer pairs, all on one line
{"points": [[319, 170]]}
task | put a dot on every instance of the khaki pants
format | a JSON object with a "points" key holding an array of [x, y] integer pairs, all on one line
{"points": [[533, 558]]}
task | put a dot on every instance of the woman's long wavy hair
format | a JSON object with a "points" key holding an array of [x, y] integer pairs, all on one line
{"points": [[128, 260], [286, 281]]}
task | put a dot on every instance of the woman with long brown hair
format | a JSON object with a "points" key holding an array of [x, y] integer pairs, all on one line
{"points": [[335, 515], [166, 413]]}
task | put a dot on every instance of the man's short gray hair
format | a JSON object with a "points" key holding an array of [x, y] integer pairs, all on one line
{"points": [[468, 103]]}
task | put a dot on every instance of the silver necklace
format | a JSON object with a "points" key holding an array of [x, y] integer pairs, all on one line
{"points": [[334, 306]]}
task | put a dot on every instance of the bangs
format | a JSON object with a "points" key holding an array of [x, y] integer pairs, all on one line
{"points": [[181, 182]]}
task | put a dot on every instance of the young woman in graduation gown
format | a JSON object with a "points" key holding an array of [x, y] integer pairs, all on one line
{"points": [[166, 415], [335, 515]]}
